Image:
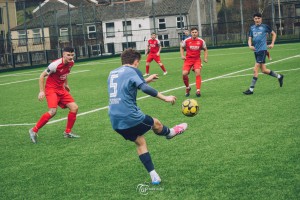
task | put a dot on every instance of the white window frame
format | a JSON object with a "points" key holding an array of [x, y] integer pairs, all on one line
{"points": [[178, 23], [129, 28], [22, 38], [95, 49], [163, 23], [164, 39], [91, 33], [64, 34], [36, 36], [110, 30]]}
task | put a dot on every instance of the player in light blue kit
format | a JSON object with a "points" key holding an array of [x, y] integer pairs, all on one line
{"points": [[257, 43], [126, 117]]}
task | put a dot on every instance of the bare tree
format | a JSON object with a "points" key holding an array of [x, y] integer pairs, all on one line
{"points": [[262, 4]]}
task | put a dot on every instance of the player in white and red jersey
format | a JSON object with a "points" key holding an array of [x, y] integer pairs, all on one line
{"points": [[192, 60], [56, 91], [153, 51]]}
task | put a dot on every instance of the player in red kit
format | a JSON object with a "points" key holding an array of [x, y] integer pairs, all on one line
{"points": [[153, 51], [192, 60], [56, 91]]}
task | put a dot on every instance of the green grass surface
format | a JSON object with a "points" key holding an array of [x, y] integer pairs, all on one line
{"points": [[237, 147]]}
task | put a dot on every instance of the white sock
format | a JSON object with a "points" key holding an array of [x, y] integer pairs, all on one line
{"points": [[172, 132], [278, 75], [154, 175]]}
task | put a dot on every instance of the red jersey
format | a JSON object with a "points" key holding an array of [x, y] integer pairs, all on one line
{"points": [[153, 45], [193, 47], [57, 74]]}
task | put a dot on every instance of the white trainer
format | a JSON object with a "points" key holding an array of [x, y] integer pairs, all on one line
{"points": [[155, 178]]}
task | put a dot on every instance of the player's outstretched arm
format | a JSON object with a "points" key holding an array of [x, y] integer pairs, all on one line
{"points": [[151, 78], [171, 99]]}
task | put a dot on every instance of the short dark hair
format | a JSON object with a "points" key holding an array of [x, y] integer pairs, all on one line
{"points": [[153, 33], [129, 56], [194, 28], [69, 49], [257, 15]]}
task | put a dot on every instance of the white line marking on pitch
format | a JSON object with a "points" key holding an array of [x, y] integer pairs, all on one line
{"points": [[75, 72], [147, 96]]}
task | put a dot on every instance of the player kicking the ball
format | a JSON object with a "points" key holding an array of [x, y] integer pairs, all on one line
{"points": [[126, 118], [56, 91]]}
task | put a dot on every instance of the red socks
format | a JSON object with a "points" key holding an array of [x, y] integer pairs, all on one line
{"points": [[198, 82], [71, 121], [185, 79], [43, 120], [163, 68], [147, 69]]}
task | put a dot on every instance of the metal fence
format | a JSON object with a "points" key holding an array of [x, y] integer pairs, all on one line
{"points": [[31, 51]]}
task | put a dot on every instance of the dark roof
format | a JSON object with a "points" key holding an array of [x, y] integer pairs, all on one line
{"points": [[116, 11], [172, 7], [98, 13], [52, 5]]}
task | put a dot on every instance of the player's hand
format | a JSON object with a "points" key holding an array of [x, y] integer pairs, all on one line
{"points": [[205, 60], [152, 78], [67, 88], [183, 57], [41, 96], [157, 54], [252, 48], [270, 46], [170, 99]]}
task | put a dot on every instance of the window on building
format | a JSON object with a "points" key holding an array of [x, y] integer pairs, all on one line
{"points": [[37, 36], [129, 29], [64, 35], [91, 31], [297, 10], [179, 22], [164, 40], [110, 29], [130, 45], [22, 38], [162, 24], [95, 50]]}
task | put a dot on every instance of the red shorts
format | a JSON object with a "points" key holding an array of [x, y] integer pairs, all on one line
{"points": [[189, 64], [58, 97], [152, 56]]}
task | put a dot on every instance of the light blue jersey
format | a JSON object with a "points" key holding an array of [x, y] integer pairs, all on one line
{"points": [[123, 84], [259, 36]]}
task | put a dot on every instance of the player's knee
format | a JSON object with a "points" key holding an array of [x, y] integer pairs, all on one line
{"points": [[265, 71], [73, 107], [52, 111], [157, 126]]}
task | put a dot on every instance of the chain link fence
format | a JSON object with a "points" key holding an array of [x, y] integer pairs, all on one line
{"points": [[46, 39]]}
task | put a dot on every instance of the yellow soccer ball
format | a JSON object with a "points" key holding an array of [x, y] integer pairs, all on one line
{"points": [[190, 107]]}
